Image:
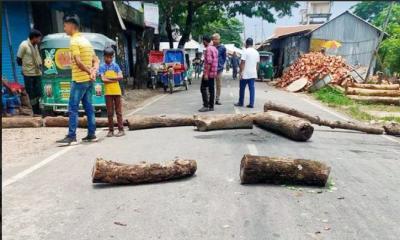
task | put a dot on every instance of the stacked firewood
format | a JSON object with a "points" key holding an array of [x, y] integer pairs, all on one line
{"points": [[388, 94], [314, 66]]}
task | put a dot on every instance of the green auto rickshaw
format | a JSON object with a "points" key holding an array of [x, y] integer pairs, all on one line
{"points": [[56, 79], [266, 70]]}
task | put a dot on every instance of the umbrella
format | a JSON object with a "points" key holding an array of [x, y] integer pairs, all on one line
{"points": [[331, 44]]}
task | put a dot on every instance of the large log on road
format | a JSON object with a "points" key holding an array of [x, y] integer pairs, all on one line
{"points": [[392, 129], [119, 173], [223, 121], [322, 122], [372, 92], [289, 126], [61, 121], [276, 170], [377, 86], [376, 99], [21, 122], [144, 122]]}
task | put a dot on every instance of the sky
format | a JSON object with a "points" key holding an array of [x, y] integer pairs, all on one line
{"points": [[253, 25]]}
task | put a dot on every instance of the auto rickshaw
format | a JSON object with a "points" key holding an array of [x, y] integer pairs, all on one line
{"points": [[266, 70], [56, 79], [174, 74], [155, 67]]}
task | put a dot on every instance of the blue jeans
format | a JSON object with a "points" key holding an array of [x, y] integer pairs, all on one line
{"points": [[81, 92], [243, 83]]}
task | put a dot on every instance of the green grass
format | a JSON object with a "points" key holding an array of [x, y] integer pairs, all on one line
{"points": [[338, 100]]}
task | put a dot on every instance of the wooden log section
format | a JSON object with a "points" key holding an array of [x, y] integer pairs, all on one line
{"points": [[223, 121], [392, 129], [277, 170], [289, 126], [21, 122], [144, 122], [372, 92], [61, 121], [377, 86], [119, 173], [270, 106], [374, 99]]}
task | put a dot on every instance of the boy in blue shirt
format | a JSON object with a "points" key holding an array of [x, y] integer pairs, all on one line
{"points": [[111, 74]]}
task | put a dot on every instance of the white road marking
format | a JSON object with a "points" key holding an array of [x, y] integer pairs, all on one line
{"points": [[252, 149], [146, 105], [51, 158], [343, 118]]}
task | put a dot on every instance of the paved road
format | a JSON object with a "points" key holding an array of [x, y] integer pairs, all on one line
{"points": [[56, 199]]}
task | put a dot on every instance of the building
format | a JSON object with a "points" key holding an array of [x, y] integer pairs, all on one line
{"points": [[357, 37], [316, 12]]}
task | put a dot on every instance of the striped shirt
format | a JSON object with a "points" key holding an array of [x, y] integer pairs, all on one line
{"points": [[211, 61], [80, 46]]}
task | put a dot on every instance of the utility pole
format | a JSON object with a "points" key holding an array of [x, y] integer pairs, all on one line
{"points": [[244, 28], [379, 41], [255, 33], [262, 29]]}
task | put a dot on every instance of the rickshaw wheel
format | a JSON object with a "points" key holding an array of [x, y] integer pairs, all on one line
{"points": [[186, 85], [165, 88], [171, 89]]}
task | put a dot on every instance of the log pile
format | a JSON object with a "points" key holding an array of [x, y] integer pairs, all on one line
{"points": [[61, 121], [388, 94], [277, 170], [223, 121], [119, 173], [314, 66]]}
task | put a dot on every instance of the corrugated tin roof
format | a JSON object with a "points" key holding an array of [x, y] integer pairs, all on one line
{"points": [[353, 15], [287, 30]]}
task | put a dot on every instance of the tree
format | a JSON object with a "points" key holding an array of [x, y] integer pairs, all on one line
{"points": [[369, 10], [186, 13], [389, 50]]}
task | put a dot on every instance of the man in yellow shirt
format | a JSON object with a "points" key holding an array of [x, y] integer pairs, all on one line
{"points": [[84, 70]]}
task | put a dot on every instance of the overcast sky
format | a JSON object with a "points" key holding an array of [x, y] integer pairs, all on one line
{"points": [[253, 25]]}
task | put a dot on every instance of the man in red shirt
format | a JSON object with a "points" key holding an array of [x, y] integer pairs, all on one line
{"points": [[209, 74]]}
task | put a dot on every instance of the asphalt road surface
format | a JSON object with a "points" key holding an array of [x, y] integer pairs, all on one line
{"points": [[53, 198]]}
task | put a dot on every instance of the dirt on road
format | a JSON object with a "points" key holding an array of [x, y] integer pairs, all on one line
{"points": [[19, 143]]}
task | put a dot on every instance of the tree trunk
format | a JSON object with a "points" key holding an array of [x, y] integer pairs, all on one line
{"points": [[372, 92], [316, 120], [392, 129], [188, 25], [137, 122], [119, 173], [21, 122], [223, 121], [291, 127], [377, 86], [373, 99], [60, 121], [259, 169]]}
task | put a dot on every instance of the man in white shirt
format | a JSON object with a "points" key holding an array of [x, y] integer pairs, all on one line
{"points": [[248, 72]]}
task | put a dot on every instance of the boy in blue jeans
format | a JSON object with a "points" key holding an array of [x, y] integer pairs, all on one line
{"points": [[111, 74]]}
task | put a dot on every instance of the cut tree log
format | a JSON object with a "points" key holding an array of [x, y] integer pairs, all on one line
{"points": [[392, 129], [278, 170], [270, 106], [377, 86], [144, 122], [119, 173], [375, 99], [21, 122], [223, 121], [61, 121], [289, 126], [372, 92]]}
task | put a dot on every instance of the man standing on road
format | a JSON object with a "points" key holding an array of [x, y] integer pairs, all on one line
{"points": [[234, 64], [216, 38], [248, 72], [28, 57], [84, 70], [209, 74]]}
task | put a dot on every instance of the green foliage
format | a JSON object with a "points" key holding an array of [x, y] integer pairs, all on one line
{"points": [[368, 10], [333, 96]]}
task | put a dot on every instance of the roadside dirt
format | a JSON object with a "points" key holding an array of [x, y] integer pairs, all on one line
{"points": [[20, 143]]}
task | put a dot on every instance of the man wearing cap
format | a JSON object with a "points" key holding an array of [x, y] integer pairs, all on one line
{"points": [[84, 70], [216, 38], [248, 72]]}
